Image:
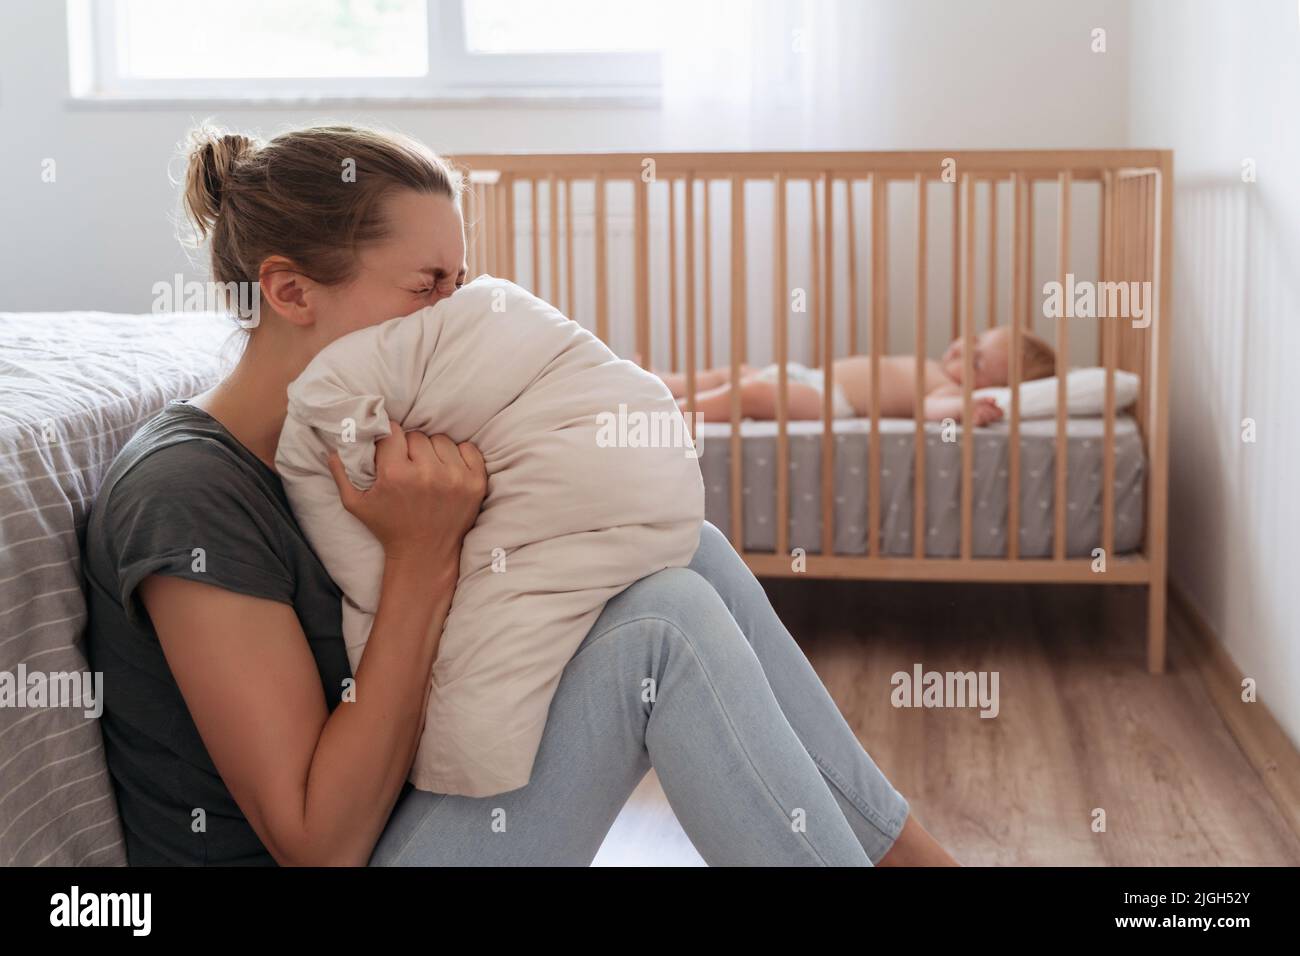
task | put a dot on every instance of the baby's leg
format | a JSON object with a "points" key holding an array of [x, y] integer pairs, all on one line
{"points": [[758, 400], [705, 379]]}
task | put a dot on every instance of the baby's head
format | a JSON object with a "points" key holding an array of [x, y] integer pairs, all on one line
{"points": [[992, 358]]}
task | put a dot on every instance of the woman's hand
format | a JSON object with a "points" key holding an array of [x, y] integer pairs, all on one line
{"points": [[426, 496]]}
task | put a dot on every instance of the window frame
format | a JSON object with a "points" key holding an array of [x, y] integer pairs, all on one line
{"points": [[453, 72]]}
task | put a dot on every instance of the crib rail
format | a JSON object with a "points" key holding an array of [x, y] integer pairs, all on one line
{"points": [[1132, 216]]}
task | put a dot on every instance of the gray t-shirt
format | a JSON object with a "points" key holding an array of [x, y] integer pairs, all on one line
{"points": [[184, 483]]}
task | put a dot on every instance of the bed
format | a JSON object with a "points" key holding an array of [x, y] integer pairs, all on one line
{"points": [[74, 387]]}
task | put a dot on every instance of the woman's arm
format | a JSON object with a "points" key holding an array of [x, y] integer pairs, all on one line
{"points": [[318, 787]]}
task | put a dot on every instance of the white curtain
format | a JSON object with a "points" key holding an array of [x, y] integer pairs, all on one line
{"points": [[758, 74]]}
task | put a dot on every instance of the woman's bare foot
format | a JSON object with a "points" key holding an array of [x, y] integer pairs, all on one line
{"points": [[915, 847]]}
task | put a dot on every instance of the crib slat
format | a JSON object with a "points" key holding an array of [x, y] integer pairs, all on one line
{"points": [[1062, 367], [481, 230], [968, 362], [815, 270], [479, 246], [500, 203], [1017, 304], [1134, 273], [1124, 265], [1130, 270], [993, 253], [1146, 194], [1109, 335], [956, 259], [1032, 303], [642, 270], [1118, 232], [1149, 233], [467, 209], [879, 317], [1134, 245], [500, 225], [496, 245], [828, 368], [508, 226], [1155, 384], [535, 276], [707, 241], [553, 221], [737, 353], [489, 228], [571, 309], [918, 401], [673, 362], [853, 267], [1103, 224], [602, 263], [780, 349], [1118, 262], [689, 213]]}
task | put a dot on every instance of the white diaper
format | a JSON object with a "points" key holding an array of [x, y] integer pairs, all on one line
{"points": [[815, 378]]}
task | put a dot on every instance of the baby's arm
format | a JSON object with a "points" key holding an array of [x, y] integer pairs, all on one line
{"points": [[946, 402]]}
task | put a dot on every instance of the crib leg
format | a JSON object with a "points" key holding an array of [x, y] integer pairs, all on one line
{"points": [[1156, 626]]}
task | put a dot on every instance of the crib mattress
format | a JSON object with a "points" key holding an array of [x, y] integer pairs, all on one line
{"points": [[1084, 459]]}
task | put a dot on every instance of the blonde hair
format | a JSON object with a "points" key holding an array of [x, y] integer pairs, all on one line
{"points": [[1037, 358], [311, 195]]}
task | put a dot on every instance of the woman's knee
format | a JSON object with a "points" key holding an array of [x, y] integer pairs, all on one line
{"points": [[714, 554], [718, 563], [676, 596], [677, 603]]}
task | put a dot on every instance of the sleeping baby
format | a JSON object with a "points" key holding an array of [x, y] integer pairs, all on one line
{"points": [[569, 521], [851, 397]]}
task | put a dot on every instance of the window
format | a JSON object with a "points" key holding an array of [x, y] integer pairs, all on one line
{"points": [[178, 49]]}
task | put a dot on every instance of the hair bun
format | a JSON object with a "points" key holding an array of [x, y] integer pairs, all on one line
{"points": [[213, 158]]}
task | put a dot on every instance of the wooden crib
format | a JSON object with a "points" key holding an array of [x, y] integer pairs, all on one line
{"points": [[564, 255]]}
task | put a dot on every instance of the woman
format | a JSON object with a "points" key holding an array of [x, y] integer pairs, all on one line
{"points": [[234, 729]]}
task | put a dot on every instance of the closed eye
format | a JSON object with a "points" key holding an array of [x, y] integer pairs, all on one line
{"points": [[448, 283], [443, 285]]}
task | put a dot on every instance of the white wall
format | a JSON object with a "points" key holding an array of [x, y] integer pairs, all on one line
{"points": [[1219, 82]]}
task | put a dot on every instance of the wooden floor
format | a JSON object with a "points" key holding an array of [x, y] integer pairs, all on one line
{"points": [[1081, 726]]}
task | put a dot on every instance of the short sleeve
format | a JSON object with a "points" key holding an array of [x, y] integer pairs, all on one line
{"points": [[191, 510]]}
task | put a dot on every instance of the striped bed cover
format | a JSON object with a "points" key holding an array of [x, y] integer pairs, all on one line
{"points": [[74, 386]]}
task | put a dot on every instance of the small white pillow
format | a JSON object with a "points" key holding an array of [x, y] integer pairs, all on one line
{"points": [[1085, 390]]}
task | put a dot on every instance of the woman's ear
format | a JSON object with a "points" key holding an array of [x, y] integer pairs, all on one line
{"points": [[285, 290]]}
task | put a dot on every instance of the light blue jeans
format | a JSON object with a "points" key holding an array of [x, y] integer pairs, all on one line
{"points": [[691, 672]]}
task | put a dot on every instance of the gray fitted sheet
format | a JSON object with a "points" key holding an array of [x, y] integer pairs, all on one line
{"points": [[942, 486]]}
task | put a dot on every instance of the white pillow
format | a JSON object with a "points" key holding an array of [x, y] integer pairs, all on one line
{"points": [[1085, 394], [569, 521]]}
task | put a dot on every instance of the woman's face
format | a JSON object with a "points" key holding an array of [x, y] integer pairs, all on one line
{"points": [[420, 262]]}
